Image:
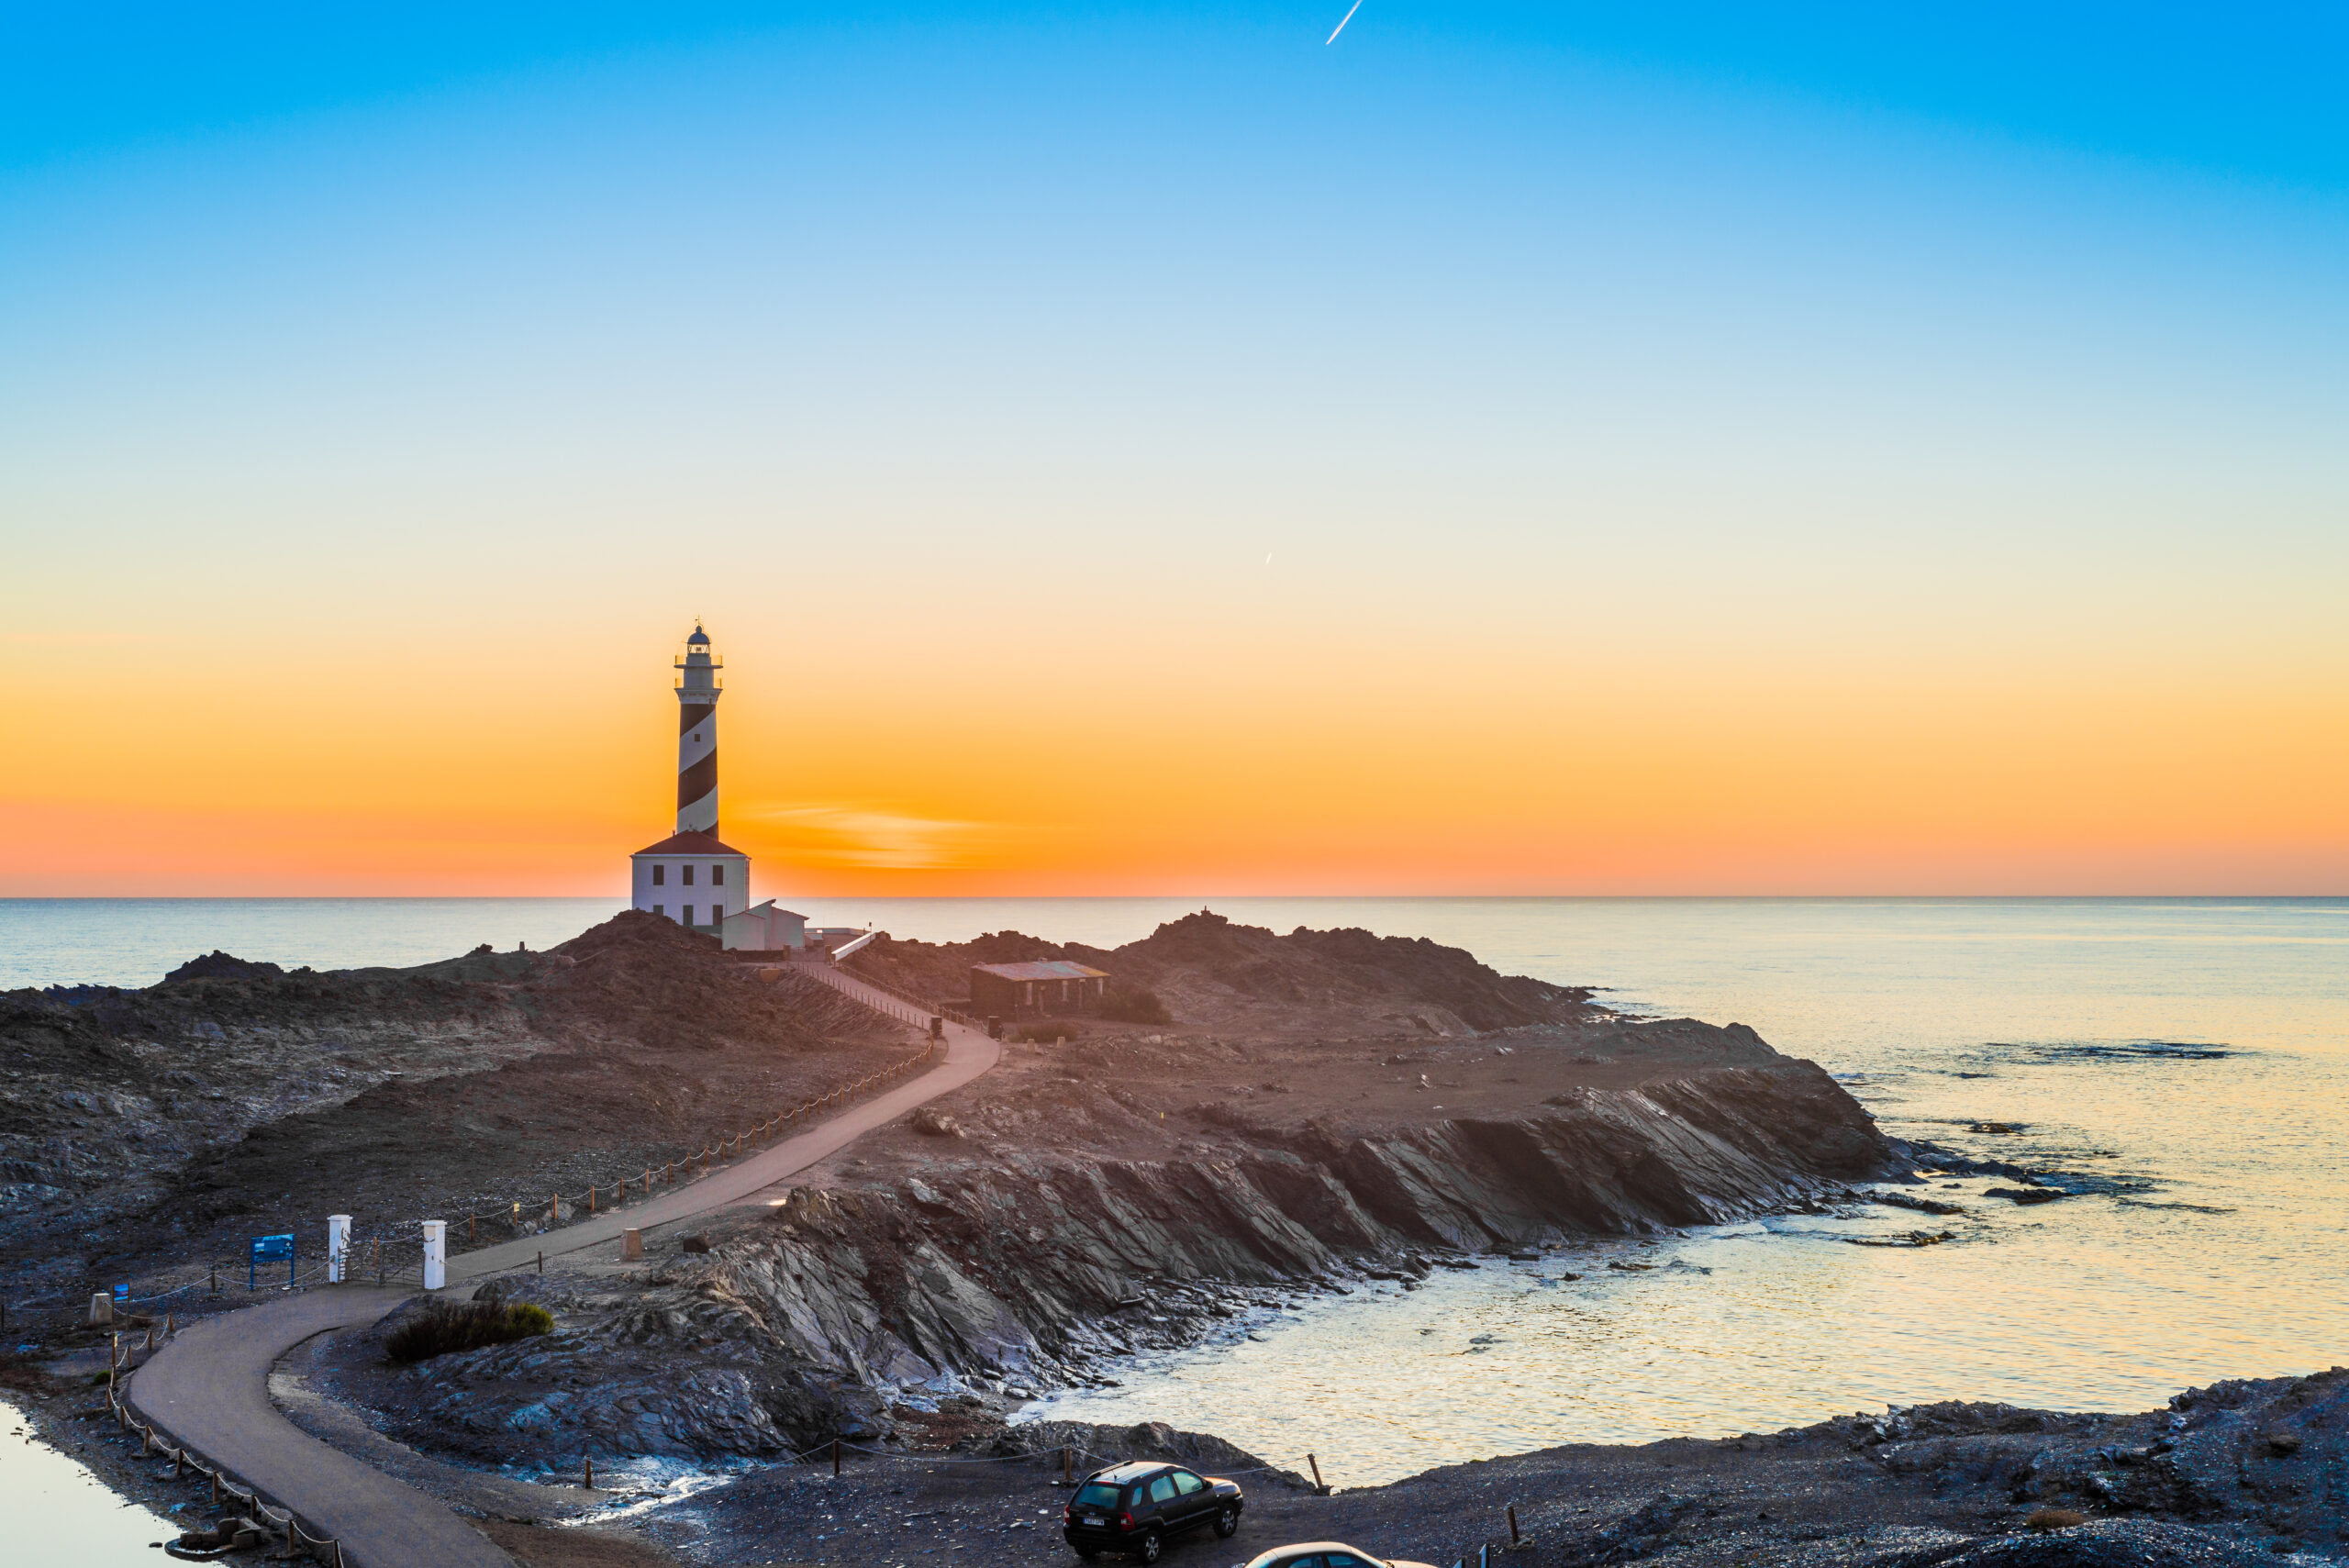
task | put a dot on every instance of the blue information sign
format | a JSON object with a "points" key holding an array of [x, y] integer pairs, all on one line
{"points": [[269, 1249]]}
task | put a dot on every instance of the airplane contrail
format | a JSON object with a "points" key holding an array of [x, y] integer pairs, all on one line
{"points": [[1342, 26]]}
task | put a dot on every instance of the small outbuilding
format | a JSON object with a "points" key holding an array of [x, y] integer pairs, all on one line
{"points": [[762, 927], [1036, 990]]}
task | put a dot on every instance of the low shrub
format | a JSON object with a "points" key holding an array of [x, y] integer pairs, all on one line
{"points": [[1134, 1005], [2046, 1520], [440, 1329]]}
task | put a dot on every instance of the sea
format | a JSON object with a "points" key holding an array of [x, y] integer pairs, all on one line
{"points": [[2183, 1061]]}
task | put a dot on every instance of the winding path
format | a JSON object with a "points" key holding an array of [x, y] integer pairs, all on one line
{"points": [[208, 1386]]}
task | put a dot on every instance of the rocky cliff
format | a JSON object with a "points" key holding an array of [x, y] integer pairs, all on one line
{"points": [[849, 1308]]}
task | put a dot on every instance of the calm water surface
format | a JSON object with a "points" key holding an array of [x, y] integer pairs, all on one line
{"points": [[58, 1512], [2192, 1054]]}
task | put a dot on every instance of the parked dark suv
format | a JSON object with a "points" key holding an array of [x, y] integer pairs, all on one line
{"points": [[1138, 1508]]}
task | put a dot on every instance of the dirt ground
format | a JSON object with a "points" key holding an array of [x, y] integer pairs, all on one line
{"points": [[1185, 1091], [2233, 1474], [624, 1048]]}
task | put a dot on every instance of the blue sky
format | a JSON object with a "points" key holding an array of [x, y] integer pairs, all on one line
{"points": [[1623, 356], [2249, 92]]}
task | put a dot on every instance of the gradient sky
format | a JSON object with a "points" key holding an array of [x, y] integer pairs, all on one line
{"points": [[1563, 448]]}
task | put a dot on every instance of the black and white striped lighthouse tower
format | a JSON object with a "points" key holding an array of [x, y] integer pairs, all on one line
{"points": [[697, 693]]}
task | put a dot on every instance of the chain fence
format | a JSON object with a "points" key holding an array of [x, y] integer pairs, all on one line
{"points": [[281, 1524], [389, 1258], [534, 1215]]}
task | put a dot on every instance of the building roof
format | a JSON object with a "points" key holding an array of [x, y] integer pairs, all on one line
{"points": [[767, 911], [1049, 969], [690, 844]]}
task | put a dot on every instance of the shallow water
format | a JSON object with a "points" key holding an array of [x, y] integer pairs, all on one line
{"points": [[2188, 1055], [58, 1512], [2192, 1053]]}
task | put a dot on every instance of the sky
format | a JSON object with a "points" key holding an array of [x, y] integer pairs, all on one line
{"points": [[1722, 449]]}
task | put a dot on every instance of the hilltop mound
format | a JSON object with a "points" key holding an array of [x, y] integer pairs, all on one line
{"points": [[1214, 973], [220, 965]]}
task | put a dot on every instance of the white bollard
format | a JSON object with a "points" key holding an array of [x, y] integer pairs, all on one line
{"points": [[337, 1246], [436, 1253]]}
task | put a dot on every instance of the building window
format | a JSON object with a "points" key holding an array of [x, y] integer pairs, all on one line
{"points": [[717, 876], [689, 874], [657, 909], [684, 914], [660, 875]]}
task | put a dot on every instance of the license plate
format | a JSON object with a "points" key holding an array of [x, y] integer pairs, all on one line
{"points": [[1094, 1520]]}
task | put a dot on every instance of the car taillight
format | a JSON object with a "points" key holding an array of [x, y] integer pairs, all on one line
{"points": [[1125, 1521]]}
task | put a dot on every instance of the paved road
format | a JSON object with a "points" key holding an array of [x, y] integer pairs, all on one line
{"points": [[209, 1387]]}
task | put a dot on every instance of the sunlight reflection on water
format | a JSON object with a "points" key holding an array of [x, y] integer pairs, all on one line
{"points": [[58, 1512]]}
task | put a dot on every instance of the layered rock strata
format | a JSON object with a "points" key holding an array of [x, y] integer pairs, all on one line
{"points": [[1010, 1275]]}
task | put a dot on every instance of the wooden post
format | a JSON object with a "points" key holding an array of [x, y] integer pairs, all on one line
{"points": [[1068, 1466], [469, 1229], [836, 1456], [591, 1198], [542, 1262], [1514, 1539], [589, 1461], [1318, 1486]]}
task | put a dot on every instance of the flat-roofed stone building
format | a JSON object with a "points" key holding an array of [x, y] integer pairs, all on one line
{"points": [[1036, 990]]}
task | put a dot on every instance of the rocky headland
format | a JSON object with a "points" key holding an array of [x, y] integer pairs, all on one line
{"points": [[1322, 1110]]}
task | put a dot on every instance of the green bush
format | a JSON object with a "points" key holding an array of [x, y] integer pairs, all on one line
{"points": [[1134, 1005], [441, 1328]]}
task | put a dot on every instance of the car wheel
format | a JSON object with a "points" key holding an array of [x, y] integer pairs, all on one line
{"points": [[1152, 1545], [1227, 1523]]}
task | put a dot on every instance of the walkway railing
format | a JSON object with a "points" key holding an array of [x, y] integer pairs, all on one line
{"points": [[930, 1009], [282, 1522]]}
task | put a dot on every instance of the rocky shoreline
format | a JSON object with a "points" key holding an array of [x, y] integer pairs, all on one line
{"points": [[1332, 1109]]}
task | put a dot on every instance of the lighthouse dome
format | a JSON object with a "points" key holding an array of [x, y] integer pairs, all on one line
{"points": [[700, 637]]}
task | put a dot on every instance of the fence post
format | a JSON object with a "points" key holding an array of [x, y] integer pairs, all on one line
{"points": [[836, 1456], [1514, 1539], [1318, 1484]]}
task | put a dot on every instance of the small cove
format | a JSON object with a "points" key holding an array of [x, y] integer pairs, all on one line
{"points": [[58, 1512]]}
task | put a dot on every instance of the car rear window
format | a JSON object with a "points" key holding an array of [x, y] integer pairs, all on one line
{"points": [[1096, 1495]]}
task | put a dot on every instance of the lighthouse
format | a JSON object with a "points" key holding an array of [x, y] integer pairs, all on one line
{"points": [[699, 685], [694, 877]]}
